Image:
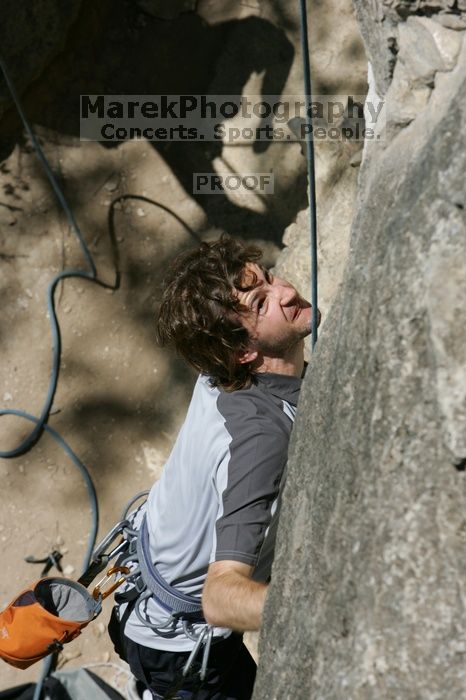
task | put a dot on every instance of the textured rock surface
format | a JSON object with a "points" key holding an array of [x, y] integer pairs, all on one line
{"points": [[368, 593], [336, 196], [43, 28], [379, 21]]}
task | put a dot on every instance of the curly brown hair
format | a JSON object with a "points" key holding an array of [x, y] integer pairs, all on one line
{"points": [[200, 312]]}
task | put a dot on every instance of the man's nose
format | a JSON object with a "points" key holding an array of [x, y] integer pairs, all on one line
{"points": [[285, 293]]}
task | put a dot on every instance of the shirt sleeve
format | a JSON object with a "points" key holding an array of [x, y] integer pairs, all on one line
{"points": [[248, 479]]}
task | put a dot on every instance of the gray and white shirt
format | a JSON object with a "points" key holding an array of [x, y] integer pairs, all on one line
{"points": [[218, 490]]}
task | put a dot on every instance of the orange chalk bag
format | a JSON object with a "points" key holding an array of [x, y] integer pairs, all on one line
{"points": [[47, 615]]}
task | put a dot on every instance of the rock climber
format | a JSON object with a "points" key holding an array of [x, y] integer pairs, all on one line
{"points": [[210, 514]]}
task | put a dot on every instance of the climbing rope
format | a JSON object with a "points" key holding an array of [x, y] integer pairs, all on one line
{"points": [[310, 170], [40, 423], [91, 275]]}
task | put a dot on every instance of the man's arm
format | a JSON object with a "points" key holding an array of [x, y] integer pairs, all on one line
{"points": [[231, 599]]}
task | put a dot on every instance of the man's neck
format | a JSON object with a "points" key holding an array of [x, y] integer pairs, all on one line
{"points": [[291, 365]]}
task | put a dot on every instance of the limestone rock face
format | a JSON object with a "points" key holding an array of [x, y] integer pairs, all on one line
{"points": [[369, 582], [380, 21], [336, 196]]}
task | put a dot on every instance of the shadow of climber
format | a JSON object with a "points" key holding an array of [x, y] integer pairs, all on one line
{"points": [[245, 46]]}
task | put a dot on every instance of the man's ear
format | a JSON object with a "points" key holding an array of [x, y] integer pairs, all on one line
{"points": [[247, 356]]}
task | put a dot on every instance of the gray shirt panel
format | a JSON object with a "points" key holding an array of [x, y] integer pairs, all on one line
{"points": [[259, 432]]}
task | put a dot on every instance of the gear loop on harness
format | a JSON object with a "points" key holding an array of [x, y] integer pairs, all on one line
{"points": [[135, 498], [145, 581], [168, 630]]}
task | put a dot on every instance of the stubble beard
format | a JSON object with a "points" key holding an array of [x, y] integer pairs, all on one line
{"points": [[281, 348]]}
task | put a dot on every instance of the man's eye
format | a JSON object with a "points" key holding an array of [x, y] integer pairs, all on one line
{"points": [[260, 304]]}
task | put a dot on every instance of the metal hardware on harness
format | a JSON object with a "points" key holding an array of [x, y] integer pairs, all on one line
{"points": [[204, 638], [205, 656], [101, 558], [118, 529], [167, 630], [96, 593]]}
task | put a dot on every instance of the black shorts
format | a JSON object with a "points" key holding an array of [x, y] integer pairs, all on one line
{"points": [[231, 670]]}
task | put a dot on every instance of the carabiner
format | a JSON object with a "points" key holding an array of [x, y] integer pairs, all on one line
{"points": [[118, 529], [96, 594]]}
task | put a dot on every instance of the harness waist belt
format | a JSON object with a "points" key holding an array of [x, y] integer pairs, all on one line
{"points": [[169, 597]]}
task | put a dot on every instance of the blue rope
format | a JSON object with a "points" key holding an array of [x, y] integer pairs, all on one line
{"points": [[33, 436], [310, 170], [41, 422], [85, 474]]}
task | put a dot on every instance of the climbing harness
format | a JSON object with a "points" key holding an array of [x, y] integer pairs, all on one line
{"points": [[146, 582]]}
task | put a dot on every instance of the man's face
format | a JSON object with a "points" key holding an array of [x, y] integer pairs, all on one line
{"points": [[276, 316]]}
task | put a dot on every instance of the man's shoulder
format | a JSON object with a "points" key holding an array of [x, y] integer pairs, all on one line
{"points": [[268, 403], [241, 404], [252, 395], [253, 411], [267, 388]]}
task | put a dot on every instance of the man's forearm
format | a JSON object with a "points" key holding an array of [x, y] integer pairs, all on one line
{"points": [[233, 600]]}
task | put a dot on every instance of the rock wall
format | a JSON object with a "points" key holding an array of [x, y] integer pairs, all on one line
{"points": [[369, 582]]}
